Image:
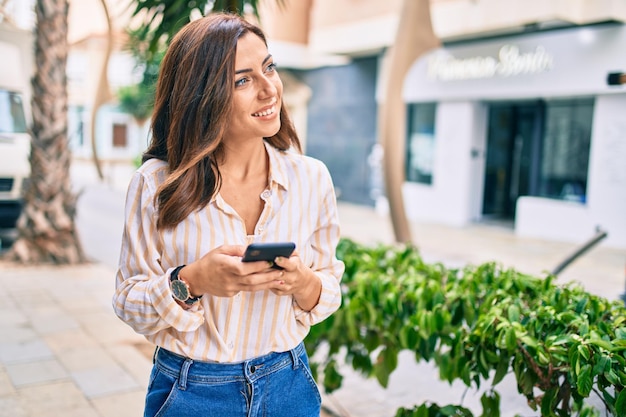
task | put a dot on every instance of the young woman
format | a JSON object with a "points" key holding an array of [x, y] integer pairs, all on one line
{"points": [[224, 170]]}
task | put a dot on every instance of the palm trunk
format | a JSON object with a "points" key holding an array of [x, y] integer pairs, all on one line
{"points": [[414, 37], [46, 229]]}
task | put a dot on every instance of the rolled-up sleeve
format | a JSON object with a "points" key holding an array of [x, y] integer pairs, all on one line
{"points": [[142, 297], [325, 264]]}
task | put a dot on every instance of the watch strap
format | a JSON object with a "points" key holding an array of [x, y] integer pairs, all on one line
{"points": [[174, 275]]}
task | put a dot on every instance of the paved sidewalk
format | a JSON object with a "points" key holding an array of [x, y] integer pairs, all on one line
{"points": [[64, 352], [601, 270]]}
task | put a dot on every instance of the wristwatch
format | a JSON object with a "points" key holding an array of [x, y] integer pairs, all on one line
{"points": [[180, 289]]}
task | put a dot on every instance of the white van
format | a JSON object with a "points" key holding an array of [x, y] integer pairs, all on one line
{"points": [[15, 140]]}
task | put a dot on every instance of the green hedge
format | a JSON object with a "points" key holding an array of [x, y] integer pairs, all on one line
{"points": [[477, 324]]}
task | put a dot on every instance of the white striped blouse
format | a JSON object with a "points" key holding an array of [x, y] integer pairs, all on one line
{"points": [[300, 206]]}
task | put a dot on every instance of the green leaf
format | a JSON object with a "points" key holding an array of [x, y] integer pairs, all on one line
{"points": [[548, 402], [484, 365], [362, 362], [620, 403], [603, 363], [542, 358], [584, 352], [501, 371], [529, 341], [386, 363], [332, 377], [514, 313], [560, 340], [622, 378], [490, 401], [408, 337], [602, 343], [526, 382], [422, 411], [620, 333], [581, 305], [440, 320], [511, 339], [584, 381]]}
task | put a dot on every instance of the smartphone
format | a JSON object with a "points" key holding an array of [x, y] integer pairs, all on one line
{"points": [[268, 252]]}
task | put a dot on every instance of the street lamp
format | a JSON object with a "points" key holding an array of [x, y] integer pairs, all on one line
{"points": [[616, 78]]}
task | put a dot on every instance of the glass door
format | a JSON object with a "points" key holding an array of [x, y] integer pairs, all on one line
{"points": [[514, 136]]}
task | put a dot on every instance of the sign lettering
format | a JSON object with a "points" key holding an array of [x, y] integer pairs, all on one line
{"points": [[510, 62]]}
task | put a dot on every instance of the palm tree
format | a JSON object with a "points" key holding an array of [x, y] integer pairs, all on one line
{"points": [[46, 228], [163, 18]]}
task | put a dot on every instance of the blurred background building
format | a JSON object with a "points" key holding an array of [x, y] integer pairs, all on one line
{"points": [[510, 121]]}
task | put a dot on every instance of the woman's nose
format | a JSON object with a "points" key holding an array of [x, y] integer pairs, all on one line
{"points": [[268, 87]]}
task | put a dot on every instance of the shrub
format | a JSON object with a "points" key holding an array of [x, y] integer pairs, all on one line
{"points": [[477, 324]]}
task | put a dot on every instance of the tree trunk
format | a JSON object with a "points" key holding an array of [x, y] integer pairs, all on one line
{"points": [[46, 228], [103, 92], [414, 37]]}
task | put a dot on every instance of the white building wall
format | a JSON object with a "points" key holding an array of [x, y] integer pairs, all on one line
{"points": [[455, 196], [546, 218], [607, 168], [137, 136], [580, 61], [606, 189]]}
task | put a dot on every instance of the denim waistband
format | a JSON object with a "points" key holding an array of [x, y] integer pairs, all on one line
{"points": [[187, 369]]}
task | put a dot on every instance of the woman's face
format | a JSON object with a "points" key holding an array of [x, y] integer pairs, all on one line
{"points": [[258, 92]]}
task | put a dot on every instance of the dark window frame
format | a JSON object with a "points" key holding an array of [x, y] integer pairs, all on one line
{"points": [[421, 136]]}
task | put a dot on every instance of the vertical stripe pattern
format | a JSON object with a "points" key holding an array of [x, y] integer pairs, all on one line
{"points": [[300, 206]]}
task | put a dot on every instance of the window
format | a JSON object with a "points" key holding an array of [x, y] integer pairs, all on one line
{"points": [[565, 149], [76, 125], [119, 135], [421, 143], [12, 118]]}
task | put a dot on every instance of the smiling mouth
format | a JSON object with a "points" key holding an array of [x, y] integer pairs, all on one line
{"points": [[266, 112]]}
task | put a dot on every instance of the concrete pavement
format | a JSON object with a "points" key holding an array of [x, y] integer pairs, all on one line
{"points": [[64, 352]]}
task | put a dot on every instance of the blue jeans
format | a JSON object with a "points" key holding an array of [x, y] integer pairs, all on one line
{"points": [[274, 385]]}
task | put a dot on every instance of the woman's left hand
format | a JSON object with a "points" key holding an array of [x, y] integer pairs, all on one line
{"points": [[298, 280]]}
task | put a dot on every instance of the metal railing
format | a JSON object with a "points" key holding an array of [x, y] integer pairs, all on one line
{"points": [[600, 234]]}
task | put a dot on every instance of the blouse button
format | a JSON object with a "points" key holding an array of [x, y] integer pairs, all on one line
{"points": [[266, 194]]}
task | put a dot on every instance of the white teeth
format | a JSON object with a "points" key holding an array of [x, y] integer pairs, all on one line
{"points": [[265, 113]]}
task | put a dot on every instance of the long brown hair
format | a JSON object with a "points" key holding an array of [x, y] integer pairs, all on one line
{"points": [[192, 108]]}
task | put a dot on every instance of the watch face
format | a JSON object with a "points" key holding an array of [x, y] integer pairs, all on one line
{"points": [[180, 290]]}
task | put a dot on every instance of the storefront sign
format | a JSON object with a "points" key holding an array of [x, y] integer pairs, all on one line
{"points": [[509, 62]]}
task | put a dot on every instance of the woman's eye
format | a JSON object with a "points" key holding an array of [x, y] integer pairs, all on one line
{"points": [[240, 82], [271, 67]]}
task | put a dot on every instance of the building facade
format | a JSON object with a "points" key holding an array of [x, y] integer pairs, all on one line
{"points": [[523, 128], [512, 120]]}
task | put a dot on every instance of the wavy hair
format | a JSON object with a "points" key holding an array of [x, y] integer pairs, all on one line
{"points": [[193, 102]]}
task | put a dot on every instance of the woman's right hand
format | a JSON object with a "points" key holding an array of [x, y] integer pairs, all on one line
{"points": [[222, 273]]}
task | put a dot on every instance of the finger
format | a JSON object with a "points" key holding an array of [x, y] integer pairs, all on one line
{"points": [[284, 263], [264, 277], [275, 286], [232, 250], [248, 268]]}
